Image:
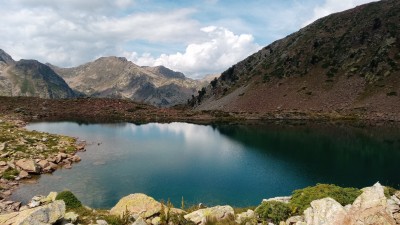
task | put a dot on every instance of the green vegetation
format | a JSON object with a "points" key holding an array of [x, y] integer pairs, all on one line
{"points": [[389, 191], [273, 211], [71, 202], [10, 174], [302, 198]]}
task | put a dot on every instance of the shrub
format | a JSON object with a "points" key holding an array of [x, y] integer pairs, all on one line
{"points": [[10, 174], [71, 202], [273, 211], [302, 198], [389, 191]]}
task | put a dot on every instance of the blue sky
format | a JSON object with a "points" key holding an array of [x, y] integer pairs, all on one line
{"points": [[196, 37]]}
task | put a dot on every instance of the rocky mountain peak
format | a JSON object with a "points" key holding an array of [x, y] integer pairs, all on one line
{"points": [[166, 72], [6, 58]]}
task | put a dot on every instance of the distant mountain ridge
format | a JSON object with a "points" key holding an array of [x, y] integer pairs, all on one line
{"points": [[348, 61], [30, 78], [116, 77], [106, 77]]}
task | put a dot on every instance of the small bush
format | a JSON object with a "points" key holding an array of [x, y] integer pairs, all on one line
{"points": [[10, 174], [389, 191], [302, 198], [71, 202], [273, 211]]}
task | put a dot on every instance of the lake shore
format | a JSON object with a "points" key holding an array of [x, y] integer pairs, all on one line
{"points": [[117, 110], [26, 154]]}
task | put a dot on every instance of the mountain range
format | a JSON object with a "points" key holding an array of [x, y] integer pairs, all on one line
{"points": [[106, 77], [345, 62]]}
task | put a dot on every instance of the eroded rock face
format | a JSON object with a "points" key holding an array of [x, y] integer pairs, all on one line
{"points": [[43, 215], [218, 213], [137, 204]]}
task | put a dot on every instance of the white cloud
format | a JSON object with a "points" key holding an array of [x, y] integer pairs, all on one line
{"points": [[220, 50], [333, 6], [61, 35]]}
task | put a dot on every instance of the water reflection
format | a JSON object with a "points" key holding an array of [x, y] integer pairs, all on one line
{"points": [[237, 165]]}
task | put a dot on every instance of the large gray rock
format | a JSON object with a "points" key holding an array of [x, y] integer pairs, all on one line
{"points": [[371, 207], [43, 215], [218, 213], [28, 165], [137, 204], [325, 211]]}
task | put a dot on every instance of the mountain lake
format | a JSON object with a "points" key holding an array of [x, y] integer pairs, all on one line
{"points": [[237, 165]]}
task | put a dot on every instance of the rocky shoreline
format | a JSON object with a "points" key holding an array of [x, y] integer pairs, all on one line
{"points": [[372, 206], [24, 154]]}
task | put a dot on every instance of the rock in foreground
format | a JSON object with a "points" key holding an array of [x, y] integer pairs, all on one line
{"points": [[43, 215]]}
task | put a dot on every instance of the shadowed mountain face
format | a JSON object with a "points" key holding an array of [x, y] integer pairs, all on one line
{"points": [[117, 77], [30, 78], [345, 62]]}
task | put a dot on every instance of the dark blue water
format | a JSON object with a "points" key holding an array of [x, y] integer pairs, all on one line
{"points": [[227, 164]]}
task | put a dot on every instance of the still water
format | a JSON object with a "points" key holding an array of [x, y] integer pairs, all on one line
{"points": [[222, 164]]}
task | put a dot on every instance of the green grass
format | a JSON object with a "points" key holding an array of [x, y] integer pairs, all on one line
{"points": [[10, 174]]}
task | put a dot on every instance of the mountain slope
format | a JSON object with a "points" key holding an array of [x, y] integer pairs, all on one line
{"points": [[30, 78], [345, 62], [119, 78]]}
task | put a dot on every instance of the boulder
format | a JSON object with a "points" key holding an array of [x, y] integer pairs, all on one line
{"points": [[23, 174], [218, 213], [140, 221], [43, 163], [244, 217], [47, 214], [28, 165], [324, 211], [139, 204], [76, 158], [294, 220], [371, 207], [71, 217], [101, 222], [156, 221]]}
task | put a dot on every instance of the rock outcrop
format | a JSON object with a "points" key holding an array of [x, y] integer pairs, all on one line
{"points": [[371, 207], [42, 215]]}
